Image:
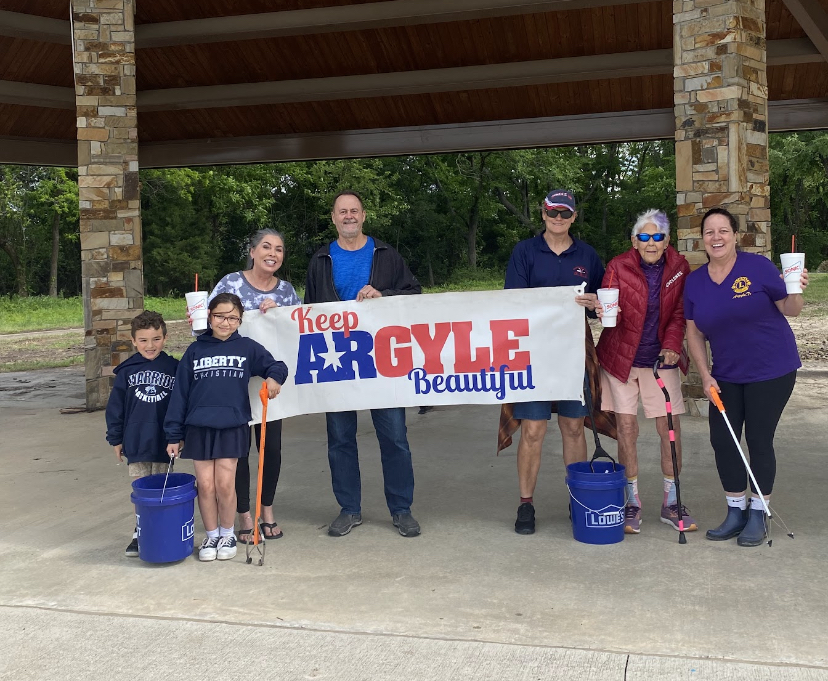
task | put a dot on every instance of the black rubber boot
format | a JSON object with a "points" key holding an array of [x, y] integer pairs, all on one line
{"points": [[733, 524], [756, 529]]}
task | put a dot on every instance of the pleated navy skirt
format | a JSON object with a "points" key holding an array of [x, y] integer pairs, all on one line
{"points": [[205, 444]]}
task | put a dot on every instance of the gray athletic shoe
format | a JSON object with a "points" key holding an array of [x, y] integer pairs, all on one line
{"points": [[344, 523], [406, 524]]}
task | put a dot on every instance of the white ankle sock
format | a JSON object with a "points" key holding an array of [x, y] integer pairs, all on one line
{"points": [[756, 504], [213, 534], [226, 531], [632, 492], [737, 502]]}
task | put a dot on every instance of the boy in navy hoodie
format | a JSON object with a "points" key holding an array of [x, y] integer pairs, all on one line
{"points": [[138, 403]]}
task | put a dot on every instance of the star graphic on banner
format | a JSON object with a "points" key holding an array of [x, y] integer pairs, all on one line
{"points": [[331, 358]]}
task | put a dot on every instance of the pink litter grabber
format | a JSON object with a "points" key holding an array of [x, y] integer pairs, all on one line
{"points": [[669, 405]]}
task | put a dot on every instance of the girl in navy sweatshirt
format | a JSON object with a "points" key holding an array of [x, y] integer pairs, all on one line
{"points": [[210, 411]]}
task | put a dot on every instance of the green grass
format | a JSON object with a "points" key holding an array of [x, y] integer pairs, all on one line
{"points": [[817, 291], [465, 280], [41, 313], [33, 365]]}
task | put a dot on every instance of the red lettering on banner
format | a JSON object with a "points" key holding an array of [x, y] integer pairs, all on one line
{"points": [[463, 363], [503, 344], [346, 321], [301, 315], [396, 361], [432, 347]]}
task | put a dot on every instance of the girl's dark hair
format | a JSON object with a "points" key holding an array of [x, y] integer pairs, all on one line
{"points": [[734, 223], [256, 239], [223, 298]]}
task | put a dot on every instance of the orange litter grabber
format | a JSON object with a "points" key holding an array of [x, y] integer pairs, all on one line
{"points": [[259, 545], [717, 400]]}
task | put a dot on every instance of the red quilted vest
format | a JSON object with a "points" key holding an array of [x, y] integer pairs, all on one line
{"points": [[618, 345]]}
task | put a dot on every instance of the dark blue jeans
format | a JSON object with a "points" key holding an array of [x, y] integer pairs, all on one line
{"points": [[343, 457]]}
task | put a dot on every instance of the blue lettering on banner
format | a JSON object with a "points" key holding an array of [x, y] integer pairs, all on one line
{"points": [[188, 529], [340, 363], [604, 518], [491, 381]]}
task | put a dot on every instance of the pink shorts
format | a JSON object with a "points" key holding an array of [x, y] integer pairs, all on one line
{"points": [[622, 398]]}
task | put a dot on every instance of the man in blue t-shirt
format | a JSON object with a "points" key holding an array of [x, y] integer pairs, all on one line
{"points": [[359, 267], [552, 258]]}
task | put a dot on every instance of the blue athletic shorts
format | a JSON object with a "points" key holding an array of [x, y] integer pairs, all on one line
{"points": [[540, 411]]}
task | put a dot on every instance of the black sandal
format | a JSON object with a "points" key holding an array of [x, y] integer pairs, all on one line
{"points": [[271, 527], [245, 541]]}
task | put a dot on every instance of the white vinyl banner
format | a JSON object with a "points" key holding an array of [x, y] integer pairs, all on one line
{"points": [[485, 347]]}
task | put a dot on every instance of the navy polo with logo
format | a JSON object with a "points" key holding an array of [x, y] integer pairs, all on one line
{"points": [[534, 265]]}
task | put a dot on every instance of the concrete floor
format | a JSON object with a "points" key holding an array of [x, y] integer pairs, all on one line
{"points": [[468, 599]]}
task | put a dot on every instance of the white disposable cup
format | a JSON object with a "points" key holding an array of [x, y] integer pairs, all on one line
{"points": [[793, 265], [608, 297], [197, 309]]}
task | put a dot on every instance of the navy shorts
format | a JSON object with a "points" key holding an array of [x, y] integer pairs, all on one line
{"points": [[206, 444], [542, 411]]}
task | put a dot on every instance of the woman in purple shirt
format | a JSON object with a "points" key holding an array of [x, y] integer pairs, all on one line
{"points": [[738, 302]]}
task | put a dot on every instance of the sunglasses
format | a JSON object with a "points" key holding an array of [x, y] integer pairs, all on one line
{"points": [[655, 237], [554, 212]]}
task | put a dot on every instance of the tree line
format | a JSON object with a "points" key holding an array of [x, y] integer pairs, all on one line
{"points": [[448, 214]]}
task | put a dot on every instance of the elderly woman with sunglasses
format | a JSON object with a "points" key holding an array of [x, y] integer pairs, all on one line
{"points": [[650, 279]]}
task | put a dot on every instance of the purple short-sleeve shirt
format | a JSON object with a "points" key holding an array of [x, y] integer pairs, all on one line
{"points": [[750, 339]]}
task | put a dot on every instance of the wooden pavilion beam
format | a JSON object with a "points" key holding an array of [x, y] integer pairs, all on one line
{"points": [[42, 29], [30, 94], [625, 126], [544, 71], [814, 21], [303, 22], [349, 18]]}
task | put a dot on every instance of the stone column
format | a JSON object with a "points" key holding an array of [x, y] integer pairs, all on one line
{"points": [[721, 110], [110, 222]]}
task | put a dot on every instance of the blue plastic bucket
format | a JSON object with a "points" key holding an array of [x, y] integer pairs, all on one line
{"points": [[597, 492], [165, 529]]}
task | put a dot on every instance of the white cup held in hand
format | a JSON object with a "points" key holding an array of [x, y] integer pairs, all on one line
{"points": [[608, 297], [793, 265], [197, 309]]}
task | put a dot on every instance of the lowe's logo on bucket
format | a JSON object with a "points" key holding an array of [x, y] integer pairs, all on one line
{"points": [[188, 529], [604, 518]]}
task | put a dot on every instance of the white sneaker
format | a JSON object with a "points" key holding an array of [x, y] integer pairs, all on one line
{"points": [[226, 548], [207, 550]]}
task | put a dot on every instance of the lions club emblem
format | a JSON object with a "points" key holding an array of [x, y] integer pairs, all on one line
{"points": [[741, 287]]}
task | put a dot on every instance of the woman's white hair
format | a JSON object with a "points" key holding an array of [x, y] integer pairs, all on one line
{"points": [[653, 216]]}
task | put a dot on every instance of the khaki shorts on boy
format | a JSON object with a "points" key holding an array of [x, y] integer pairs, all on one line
{"points": [[141, 469], [622, 398]]}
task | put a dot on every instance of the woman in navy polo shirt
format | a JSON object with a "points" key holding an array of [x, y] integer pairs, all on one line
{"points": [[739, 303], [553, 258]]}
